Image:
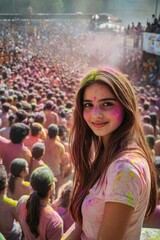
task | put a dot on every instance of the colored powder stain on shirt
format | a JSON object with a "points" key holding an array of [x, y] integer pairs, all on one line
{"points": [[130, 198], [89, 202], [103, 193], [118, 176], [132, 174], [133, 161], [121, 166], [129, 195]]}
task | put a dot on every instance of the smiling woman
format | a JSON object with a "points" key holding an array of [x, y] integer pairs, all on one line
{"points": [[115, 184], [102, 112]]}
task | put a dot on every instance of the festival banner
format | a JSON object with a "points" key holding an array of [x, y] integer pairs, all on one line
{"points": [[151, 43]]}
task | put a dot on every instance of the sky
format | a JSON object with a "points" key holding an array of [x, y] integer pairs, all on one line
{"points": [[128, 10], [141, 10]]}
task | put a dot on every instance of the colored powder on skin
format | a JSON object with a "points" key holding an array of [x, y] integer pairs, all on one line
{"points": [[95, 110], [118, 113], [94, 99]]}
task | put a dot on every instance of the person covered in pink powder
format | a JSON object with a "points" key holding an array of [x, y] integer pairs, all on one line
{"points": [[15, 148], [38, 151], [114, 180], [17, 186], [35, 214]]}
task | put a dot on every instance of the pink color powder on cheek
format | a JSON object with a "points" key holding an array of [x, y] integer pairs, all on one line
{"points": [[118, 112]]}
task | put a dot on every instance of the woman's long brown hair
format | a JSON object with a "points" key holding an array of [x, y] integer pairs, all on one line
{"points": [[83, 140]]}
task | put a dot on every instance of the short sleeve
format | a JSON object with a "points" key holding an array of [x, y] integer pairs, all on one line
{"points": [[21, 200], [123, 183], [54, 228]]}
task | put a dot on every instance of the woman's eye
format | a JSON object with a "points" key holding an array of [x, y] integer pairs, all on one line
{"points": [[86, 105], [107, 104]]}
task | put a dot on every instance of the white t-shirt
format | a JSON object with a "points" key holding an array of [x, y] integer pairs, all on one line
{"points": [[127, 181]]}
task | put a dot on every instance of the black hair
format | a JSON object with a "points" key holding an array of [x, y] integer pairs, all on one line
{"points": [[17, 166], [150, 140], [18, 132], [40, 118], [3, 177], [49, 105], [38, 150], [21, 115], [66, 196], [11, 118], [41, 181], [35, 129], [6, 106], [52, 130]]}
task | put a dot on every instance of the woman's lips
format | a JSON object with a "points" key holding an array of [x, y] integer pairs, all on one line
{"points": [[99, 125]]}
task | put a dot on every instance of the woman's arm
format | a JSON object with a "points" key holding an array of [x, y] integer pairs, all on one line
{"points": [[115, 221], [73, 233]]}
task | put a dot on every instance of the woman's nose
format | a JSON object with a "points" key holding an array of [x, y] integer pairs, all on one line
{"points": [[97, 111]]}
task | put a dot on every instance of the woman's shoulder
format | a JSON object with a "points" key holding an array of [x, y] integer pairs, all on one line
{"points": [[130, 159], [52, 215], [23, 199]]}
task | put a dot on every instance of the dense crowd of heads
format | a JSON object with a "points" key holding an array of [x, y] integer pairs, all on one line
{"points": [[41, 66]]}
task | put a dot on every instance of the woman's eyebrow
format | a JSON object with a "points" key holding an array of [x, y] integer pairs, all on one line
{"points": [[100, 100], [108, 99]]}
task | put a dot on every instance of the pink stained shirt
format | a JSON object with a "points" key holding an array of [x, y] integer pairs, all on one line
{"points": [[50, 224], [127, 181]]}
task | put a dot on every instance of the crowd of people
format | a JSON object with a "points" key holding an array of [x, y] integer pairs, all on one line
{"points": [[42, 64]]}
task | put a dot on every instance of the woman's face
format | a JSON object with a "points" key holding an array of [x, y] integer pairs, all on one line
{"points": [[101, 111]]}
